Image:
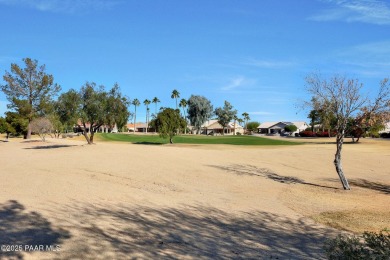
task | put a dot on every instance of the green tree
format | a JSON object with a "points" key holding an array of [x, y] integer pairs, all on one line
{"points": [[118, 112], [290, 128], [17, 125], [135, 103], [314, 117], [6, 127], [67, 107], [199, 111], [29, 87], [225, 115], [252, 126], [58, 127], [3, 125], [175, 94], [183, 104], [246, 119], [343, 98], [168, 123], [95, 107]]}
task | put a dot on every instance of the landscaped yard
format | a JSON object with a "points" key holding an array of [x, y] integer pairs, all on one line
{"points": [[194, 139]]}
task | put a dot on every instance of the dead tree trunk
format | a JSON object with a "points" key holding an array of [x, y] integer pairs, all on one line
{"points": [[338, 163]]}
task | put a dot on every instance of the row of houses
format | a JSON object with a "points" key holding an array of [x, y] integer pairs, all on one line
{"points": [[212, 127]]}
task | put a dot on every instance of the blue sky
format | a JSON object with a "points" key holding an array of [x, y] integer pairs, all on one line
{"points": [[254, 54]]}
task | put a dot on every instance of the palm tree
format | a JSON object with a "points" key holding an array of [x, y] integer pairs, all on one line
{"points": [[246, 119], [136, 103], [155, 100], [183, 104], [147, 103], [240, 121], [176, 95]]}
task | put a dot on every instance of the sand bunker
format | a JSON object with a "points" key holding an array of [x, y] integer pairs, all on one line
{"points": [[116, 200]]}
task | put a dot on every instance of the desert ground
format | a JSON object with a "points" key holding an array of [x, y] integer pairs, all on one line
{"points": [[129, 201]]}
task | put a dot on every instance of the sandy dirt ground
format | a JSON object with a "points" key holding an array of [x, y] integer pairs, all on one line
{"points": [[64, 199]]}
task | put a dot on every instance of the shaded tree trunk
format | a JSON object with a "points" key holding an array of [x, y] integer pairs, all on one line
{"points": [[338, 162], [87, 137], [86, 134], [91, 137], [28, 135]]}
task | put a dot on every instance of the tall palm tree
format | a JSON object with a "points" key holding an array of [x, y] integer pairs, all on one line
{"points": [[246, 119], [155, 101], [147, 103], [183, 104], [136, 103], [176, 95]]}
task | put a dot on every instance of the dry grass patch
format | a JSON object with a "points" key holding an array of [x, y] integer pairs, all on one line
{"points": [[356, 221]]}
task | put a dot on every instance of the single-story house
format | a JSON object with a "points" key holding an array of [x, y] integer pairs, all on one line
{"points": [[386, 129], [278, 127], [139, 127], [212, 127], [102, 129]]}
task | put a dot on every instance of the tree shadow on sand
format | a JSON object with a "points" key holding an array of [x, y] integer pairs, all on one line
{"points": [[362, 183], [251, 170], [55, 146], [148, 143], [122, 232], [19, 227]]}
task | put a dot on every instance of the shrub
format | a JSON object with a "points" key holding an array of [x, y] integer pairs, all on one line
{"points": [[325, 134], [307, 134], [290, 128], [367, 246], [41, 126], [252, 126]]}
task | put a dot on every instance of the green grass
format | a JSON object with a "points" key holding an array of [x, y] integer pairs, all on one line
{"points": [[194, 139]]}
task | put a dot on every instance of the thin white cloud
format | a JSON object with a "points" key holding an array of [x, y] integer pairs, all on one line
{"points": [[63, 6], [368, 59], [365, 11], [238, 82], [269, 64]]}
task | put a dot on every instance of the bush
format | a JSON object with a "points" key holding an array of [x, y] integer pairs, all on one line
{"points": [[252, 126], [367, 246], [325, 134], [290, 128], [307, 134]]}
